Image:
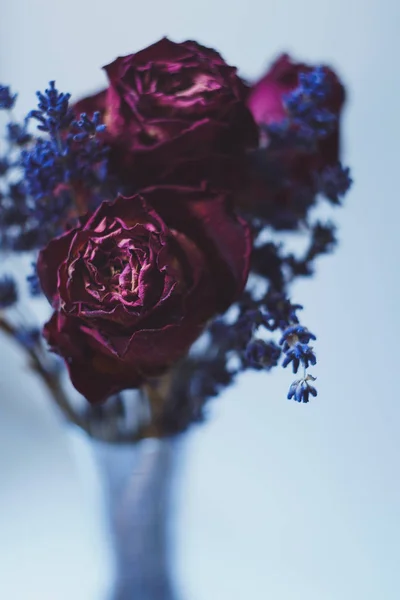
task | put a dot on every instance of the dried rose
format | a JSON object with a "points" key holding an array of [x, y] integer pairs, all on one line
{"points": [[134, 285]]}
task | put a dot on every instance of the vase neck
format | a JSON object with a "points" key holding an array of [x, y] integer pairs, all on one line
{"points": [[138, 498]]}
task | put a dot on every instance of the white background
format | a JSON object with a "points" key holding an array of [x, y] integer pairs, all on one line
{"points": [[277, 500]]}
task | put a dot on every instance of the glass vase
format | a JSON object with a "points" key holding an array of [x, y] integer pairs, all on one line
{"points": [[138, 482]]}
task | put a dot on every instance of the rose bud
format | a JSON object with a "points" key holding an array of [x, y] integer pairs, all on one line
{"points": [[283, 177], [175, 112], [134, 285]]}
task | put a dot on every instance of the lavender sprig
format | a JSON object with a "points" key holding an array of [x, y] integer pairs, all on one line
{"points": [[8, 292], [7, 99], [69, 156]]}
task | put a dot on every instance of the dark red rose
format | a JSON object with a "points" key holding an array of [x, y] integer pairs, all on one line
{"points": [[278, 193], [174, 112], [133, 289]]}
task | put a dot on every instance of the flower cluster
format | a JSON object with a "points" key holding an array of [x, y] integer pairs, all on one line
{"points": [[49, 180], [155, 206], [298, 109]]}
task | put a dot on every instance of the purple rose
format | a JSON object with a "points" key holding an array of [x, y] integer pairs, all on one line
{"points": [[277, 196], [266, 101], [175, 113], [134, 285]]}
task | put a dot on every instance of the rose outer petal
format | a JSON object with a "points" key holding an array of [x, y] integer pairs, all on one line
{"points": [[210, 221], [49, 261], [94, 375]]}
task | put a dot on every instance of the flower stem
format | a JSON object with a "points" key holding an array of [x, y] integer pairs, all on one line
{"points": [[106, 428], [51, 381]]}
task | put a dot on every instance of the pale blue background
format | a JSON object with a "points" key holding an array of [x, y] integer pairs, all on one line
{"points": [[278, 500]]}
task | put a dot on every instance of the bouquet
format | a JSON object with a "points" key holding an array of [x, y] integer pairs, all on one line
{"points": [[156, 216]]}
